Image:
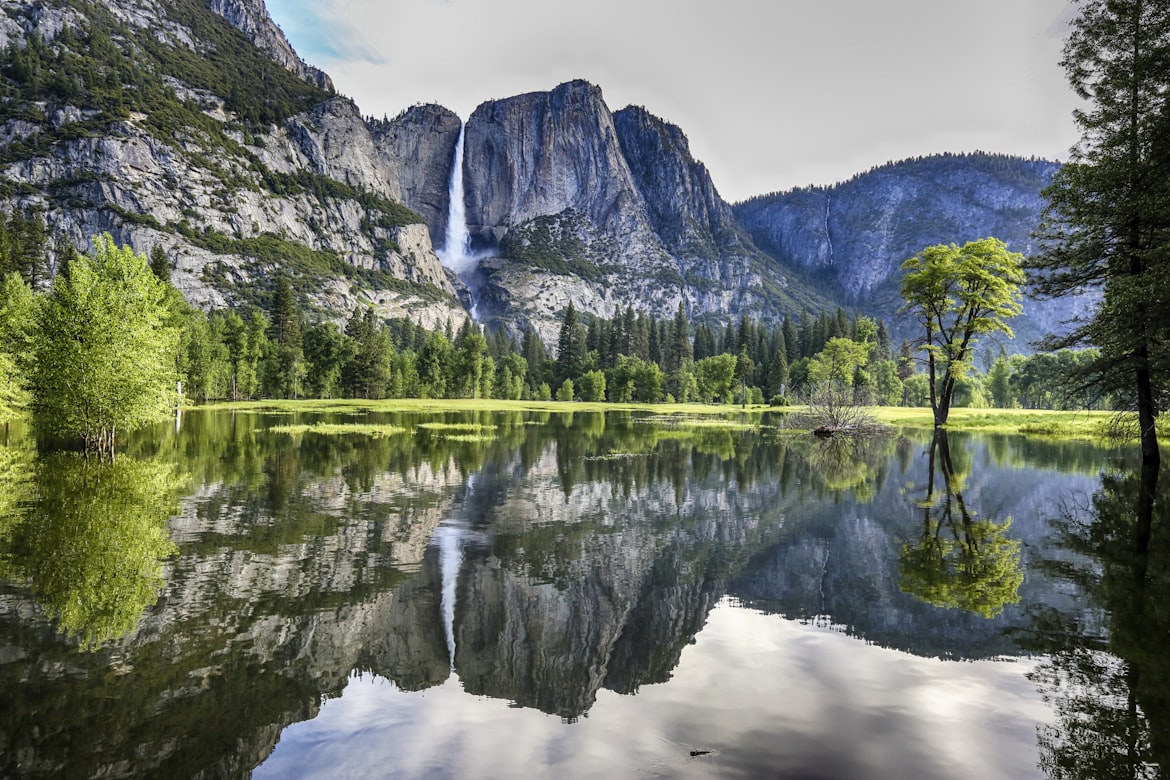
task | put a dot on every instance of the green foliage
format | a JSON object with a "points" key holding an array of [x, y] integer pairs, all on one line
{"points": [[715, 377], [838, 361], [591, 386], [17, 318], [1107, 225], [956, 295], [103, 349], [565, 392]]}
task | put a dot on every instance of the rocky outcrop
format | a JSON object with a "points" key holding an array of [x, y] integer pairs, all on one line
{"points": [[608, 211], [684, 207], [230, 200], [418, 146], [251, 17]]}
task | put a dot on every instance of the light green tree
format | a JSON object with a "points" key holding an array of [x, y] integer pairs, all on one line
{"points": [[838, 361], [17, 313], [958, 294], [104, 352]]}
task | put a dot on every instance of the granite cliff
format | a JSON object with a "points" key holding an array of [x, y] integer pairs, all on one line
{"points": [[572, 202], [193, 126]]}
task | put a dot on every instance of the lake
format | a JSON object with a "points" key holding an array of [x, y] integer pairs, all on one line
{"points": [[527, 594]]}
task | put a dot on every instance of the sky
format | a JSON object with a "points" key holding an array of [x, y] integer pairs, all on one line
{"points": [[773, 94]]}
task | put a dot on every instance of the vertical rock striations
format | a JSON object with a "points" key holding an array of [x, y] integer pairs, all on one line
{"points": [[418, 149], [606, 210]]}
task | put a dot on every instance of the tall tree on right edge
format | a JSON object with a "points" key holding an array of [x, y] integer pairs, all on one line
{"points": [[1107, 224]]}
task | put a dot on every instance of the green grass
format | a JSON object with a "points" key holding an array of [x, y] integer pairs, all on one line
{"points": [[1029, 422], [333, 429], [475, 405]]}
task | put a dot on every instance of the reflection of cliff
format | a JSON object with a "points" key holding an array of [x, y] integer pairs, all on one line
{"points": [[285, 584], [840, 564], [599, 588]]}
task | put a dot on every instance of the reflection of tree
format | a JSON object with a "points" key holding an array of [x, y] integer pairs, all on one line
{"points": [[844, 463], [92, 541], [1112, 695], [960, 560]]}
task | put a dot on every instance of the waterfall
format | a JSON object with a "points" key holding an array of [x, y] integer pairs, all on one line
{"points": [[456, 252]]}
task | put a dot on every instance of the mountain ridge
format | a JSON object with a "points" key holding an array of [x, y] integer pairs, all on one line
{"points": [[566, 200]]}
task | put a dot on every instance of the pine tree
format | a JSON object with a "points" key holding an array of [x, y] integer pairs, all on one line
{"points": [[679, 352], [160, 264], [1107, 224], [570, 347]]}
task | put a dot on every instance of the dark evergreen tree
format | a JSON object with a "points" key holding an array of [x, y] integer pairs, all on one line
{"points": [[705, 345], [791, 340], [160, 264], [535, 355], [570, 347], [284, 362], [679, 350], [1108, 220]]}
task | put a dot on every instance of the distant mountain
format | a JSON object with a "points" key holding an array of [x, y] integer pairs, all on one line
{"points": [[853, 237]]}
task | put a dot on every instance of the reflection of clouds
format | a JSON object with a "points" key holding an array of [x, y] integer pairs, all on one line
{"points": [[768, 697]]}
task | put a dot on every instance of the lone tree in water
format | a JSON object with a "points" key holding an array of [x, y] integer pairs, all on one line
{"points": [[1107, 225], [103, 353], [957, 294]]}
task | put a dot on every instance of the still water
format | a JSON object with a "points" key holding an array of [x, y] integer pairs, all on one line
{"points": [[529, 594]]}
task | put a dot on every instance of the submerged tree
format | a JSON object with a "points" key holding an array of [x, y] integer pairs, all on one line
{"points": [[1107, 225], [957, 294], [103, 352]]}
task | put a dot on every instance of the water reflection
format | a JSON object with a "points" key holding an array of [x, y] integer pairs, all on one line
{"points": [[1108, 670], [91, 541], [547, 562], [960, 560]]}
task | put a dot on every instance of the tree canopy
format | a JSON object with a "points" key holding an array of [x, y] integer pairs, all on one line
{"points": [[957, 294], [103, 353], [1107, 225]]}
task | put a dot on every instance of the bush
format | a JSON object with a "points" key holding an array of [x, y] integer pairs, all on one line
{"points": [[565, 393], [777, 400]]}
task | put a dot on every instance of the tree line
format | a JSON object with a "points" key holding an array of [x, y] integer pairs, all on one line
{"points": [[108, 343]]}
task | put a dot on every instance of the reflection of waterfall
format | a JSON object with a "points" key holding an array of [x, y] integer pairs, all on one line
{"points": [[450, 558], [456, 253]]}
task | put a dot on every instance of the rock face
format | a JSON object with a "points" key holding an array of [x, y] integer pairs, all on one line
{"points": [[418, 146], [857, 234], [605, 210], [235, 166]]}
